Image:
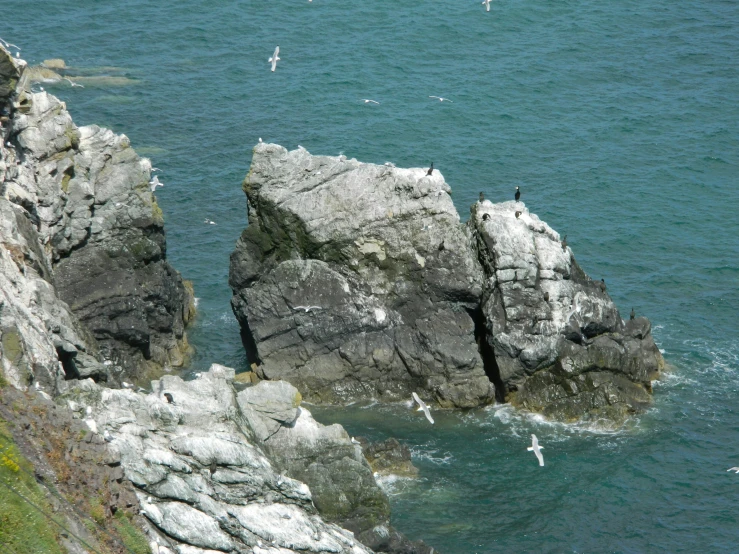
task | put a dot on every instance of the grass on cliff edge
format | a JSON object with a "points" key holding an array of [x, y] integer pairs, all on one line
{"points": [[22, 527]]}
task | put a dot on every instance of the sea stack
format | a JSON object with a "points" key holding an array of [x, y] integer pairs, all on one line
{"points": [[502, 303]]}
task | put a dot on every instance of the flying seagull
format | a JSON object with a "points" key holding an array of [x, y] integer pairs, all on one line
{"points": [[441, 99], [734, 469], [209, 222], [368, 101], [536, 449], [486, 3], [422, 406], [154, 183], [274, 59], [307, 308], [9, 44], [71, 82]]}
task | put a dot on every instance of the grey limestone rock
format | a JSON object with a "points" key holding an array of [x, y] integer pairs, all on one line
{"points": [[341, 481], [559, 343], [98, 236], [204, 482], [355, 280]]}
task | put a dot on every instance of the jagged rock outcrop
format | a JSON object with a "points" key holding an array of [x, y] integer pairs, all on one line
{"points": [[355, 280], [87, 224], [214, 469], [340, 479], [388, 457], [557, 337]]}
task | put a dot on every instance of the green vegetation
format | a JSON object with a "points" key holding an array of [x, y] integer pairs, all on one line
{"points": [[132, 536], [22, 527]]}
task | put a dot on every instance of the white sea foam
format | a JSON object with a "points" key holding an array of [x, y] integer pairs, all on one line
{"points": [[392, 484], [431, 455]]}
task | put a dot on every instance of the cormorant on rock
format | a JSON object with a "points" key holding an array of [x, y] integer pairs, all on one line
{"points": [[546, 296], [564, 243], [518, 194], [213, 467], [518, 214], [485, 217], [169, 398], [441, 246], [482, 197], [602, 285], [632, 315], [431, 169]]}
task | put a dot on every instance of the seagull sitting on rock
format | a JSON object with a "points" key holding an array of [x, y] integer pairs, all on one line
{"points": [[536, 449], [154, 183], [274, 59], [423, 407]]}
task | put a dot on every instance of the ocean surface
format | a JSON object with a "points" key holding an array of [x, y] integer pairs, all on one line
{"points": [[618, 120]]}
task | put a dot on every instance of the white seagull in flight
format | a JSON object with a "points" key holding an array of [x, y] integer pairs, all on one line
{"points": [[486, 3], [368, 101], [734, 469], [441, 99], [71, 82], [536, 449], [154, 183], [274, 59], [422, 406]]}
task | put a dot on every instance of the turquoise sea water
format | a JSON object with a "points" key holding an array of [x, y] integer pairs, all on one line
{"points": [[620, 122]]}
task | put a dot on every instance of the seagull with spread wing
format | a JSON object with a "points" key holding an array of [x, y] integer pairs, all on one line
{"points": [[275, 58]]}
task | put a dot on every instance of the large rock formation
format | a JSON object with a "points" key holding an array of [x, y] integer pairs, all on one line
{"points": [[557, 337], [85, 222], [354, 280], [215, 470]]}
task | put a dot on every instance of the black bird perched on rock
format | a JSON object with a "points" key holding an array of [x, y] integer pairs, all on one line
{"points": [[482, 197], [632, 315], [213, 467], [564, 243], [546, 296], [602, 285], [431, 169], [485, 217], [518, 214], [441, 246], [518, 194], [169, 398]]}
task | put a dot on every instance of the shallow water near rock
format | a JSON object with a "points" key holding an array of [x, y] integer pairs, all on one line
{"points": [[618, 122]]}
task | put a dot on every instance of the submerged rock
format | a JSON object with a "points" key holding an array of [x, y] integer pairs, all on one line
{"points": [[87, 223], [355, 280]]}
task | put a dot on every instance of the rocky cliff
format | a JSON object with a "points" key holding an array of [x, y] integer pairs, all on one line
{"points": [[358, 281], [87, 299], [83, 247]]}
